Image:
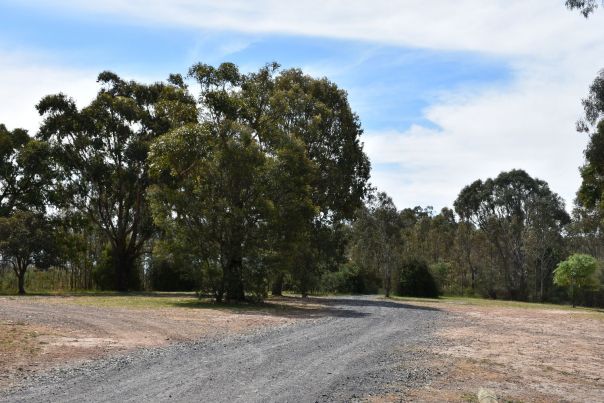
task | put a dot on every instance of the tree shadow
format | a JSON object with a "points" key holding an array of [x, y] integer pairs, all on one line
{"points": [[272, 308], [360, 301], [304, 308]]}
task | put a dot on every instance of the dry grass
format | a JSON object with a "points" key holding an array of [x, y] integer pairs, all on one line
{"points": [[523, 352]]}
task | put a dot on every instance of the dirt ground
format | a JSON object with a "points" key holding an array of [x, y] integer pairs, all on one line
{"points": [[40, 332], [520, 354]]}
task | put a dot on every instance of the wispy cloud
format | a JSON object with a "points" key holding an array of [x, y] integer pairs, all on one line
{"points": [[465, 132], [500, 26]]}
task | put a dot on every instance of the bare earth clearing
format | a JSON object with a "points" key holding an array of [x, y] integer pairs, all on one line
{"points": [[321, 349], [523, 354]]}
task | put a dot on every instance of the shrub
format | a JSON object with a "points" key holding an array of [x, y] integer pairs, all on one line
{"points": [[103, 274], [416, 280], [578, 272], [166, 275], [350, 278]]}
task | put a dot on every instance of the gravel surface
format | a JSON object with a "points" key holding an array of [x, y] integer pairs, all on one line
{"points": [[364, 347]]}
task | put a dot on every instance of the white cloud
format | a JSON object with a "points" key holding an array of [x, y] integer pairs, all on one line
{"points": [[498, 26], [29, 76], [527, 124], [26, 78]]}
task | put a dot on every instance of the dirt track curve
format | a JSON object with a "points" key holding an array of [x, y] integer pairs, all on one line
{"points": [[363, 347]]}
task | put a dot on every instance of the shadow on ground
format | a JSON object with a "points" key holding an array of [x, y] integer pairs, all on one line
{"points": [[282, 306], [306, 308]]}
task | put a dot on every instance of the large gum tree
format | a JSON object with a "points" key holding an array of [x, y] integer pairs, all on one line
{"points": [[100, 157], [273, 166]]}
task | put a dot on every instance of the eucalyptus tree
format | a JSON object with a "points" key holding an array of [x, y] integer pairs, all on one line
{"points": [[317, 113], [100, 156], [506, 209], [25, 232], [377, 239], [591, 192], [264, 178], [211, 194], [27, 238]]}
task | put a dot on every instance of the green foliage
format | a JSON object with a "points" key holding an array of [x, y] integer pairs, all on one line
{"points": [[416, 280], [24, 172], [100, 158], [104, 273], [165, 275], [27, 239], [349, 279], [577, 273], [376, 238], [441, 271], [261, 183], [212, 280], [591, 192], [522, 219]]}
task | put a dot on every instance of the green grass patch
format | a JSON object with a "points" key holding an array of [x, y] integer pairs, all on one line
{"points": [[453, 300]]}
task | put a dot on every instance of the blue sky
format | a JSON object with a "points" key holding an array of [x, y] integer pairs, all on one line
{"points": [[432, 104]]}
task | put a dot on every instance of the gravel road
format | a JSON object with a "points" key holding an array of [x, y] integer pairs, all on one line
{"points": [[364, 346]]}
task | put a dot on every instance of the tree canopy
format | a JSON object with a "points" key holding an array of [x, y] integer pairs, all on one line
{"points": [[509, 209], [100, 157], [576, 272], [24, 172], [273, 162]]}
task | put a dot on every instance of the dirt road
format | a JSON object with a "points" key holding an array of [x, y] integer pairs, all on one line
{"points": [[360, 347]]}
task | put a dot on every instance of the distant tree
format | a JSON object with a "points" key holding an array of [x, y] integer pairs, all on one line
{"points": [[27, 239], [586, 231], [576, 272], [100, 154], [586, 7], [507, 208], [377, 241]]}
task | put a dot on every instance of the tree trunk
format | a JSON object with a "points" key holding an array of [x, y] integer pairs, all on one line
{"points": [[277, 287], [123, 266], [21, 278], [387, 284], [233, 280]]}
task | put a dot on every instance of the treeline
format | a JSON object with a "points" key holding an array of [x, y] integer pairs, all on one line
{"points": [[504, 239], [237, 184]]}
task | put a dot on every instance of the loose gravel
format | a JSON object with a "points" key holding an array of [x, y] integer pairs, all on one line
{"points": [[364, 347]]}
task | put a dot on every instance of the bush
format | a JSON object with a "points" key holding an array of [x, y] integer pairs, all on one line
{"points": [[416, 280], [350, 278], [166, 275], [103, 274], [255, 279], [441, 272], [211, 281]]}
